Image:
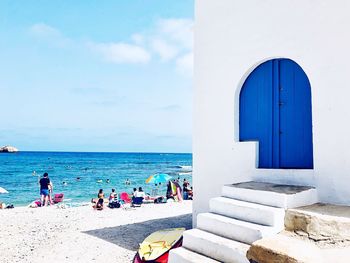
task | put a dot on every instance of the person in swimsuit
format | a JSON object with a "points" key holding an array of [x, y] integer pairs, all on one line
{"points": [[100, 200], [113, 196]]}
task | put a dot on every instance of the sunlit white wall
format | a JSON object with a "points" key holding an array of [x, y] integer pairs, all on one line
{"points": [[231, 38]]}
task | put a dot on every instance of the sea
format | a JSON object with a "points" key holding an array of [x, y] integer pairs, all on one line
{"points": [[80, 175]]}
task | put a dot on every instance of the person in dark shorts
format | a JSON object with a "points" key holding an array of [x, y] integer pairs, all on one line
{"points": [[44, 189]]}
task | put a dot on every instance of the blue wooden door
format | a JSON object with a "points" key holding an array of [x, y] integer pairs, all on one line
{"points": [[275, 110]]}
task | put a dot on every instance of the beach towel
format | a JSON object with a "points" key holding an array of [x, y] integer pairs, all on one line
{"points": [[58, 198]]}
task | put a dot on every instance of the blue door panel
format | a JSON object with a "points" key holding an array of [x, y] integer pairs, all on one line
{"points": [[256, 111], [295, 117], [275, 110]]}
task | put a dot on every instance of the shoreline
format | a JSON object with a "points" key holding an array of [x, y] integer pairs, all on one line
{"points": [[80, 175], [82, 234]]}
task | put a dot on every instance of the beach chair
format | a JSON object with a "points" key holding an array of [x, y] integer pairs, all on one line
{"points": [[58, 198], [124, 197], [136, 201]]}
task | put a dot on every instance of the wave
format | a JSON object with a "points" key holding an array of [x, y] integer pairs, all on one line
{"points": [[187, 168], [185, 173]]}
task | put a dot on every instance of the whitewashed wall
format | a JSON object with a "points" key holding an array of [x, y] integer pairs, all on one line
{"points": [[231, 38]]}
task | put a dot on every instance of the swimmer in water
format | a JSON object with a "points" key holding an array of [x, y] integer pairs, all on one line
{"points": [[78, 178], [107, 181], [64, 183]]}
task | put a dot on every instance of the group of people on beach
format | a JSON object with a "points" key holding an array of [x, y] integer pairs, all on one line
{"points": [[174, 192], [113, 200]]}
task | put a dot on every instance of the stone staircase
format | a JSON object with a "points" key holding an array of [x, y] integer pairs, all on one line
{"points": [[245, 212]]}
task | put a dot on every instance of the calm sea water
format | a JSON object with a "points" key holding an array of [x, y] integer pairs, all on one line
{"points": [[16, 173]]}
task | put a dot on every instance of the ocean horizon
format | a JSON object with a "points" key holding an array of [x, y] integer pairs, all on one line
{"points": [[19, 172]]}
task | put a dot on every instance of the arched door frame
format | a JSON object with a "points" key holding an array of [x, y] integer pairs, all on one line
{"points": [[241, 84]]}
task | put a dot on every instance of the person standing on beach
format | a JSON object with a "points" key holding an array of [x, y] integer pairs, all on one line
{"points": [[44, 189], [185, 187]]}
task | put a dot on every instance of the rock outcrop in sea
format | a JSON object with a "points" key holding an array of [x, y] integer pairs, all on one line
{"points": [[8, 149]]}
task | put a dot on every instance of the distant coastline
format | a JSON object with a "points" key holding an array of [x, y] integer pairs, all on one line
{"points": [[8, 149]]}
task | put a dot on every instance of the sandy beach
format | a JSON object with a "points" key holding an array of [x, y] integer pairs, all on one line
{"points": [[81, 234]]}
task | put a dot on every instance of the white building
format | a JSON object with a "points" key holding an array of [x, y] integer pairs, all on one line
{"points": [[232, 38], [271, 105]]}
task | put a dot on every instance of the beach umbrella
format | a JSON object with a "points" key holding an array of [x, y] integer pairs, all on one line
{"points": [[158, 178], [3, 191]]}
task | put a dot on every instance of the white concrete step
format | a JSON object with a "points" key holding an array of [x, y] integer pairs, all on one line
{"points": [[277, 195], [183, 255], [216, 247], [246, 211], [235, 229]]}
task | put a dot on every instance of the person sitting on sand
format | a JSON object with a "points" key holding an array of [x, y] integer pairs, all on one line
{"points": [[100, 200], [190, 193], [113, 200], [134, 192], [140, 193], [113, 196], [44, 189]]}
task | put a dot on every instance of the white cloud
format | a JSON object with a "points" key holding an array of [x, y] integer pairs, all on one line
{"points": [[42, 29], [121, 52], [184, 64], [169, 39], [172, 40], [49, 34], [178, 30], [164, 49]]}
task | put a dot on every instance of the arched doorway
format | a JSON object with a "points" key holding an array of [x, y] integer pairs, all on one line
{"points": [[275, 110]]}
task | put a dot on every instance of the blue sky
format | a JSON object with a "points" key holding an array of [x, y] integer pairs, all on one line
{"points": [[96, 75]]}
